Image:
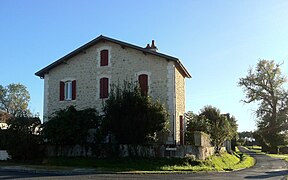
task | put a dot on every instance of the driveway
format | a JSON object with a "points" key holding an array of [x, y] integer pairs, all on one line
{"points": [[266, 168]]}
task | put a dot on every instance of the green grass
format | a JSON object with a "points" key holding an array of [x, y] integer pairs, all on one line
{"points": [[128, 164], [232, 162], [257, 149], [224, 162], [279, 156]]}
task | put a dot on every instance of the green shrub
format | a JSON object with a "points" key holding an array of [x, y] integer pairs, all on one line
{"points": [[22, 139], [71, 127], [133, 118]]}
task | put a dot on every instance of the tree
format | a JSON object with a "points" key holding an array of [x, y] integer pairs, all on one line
{"points": [[133, 118], [14, 99], [264, 85], [22, 139], [233, 124], [197, 123], [70, 126], [219, 126]]}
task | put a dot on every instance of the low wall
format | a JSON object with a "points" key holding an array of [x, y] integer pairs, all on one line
{"points": [[194, 152], [68, 151], [200, 149]]}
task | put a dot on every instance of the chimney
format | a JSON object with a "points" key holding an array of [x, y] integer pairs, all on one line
{"points": [[148, 46], [152, 47]]}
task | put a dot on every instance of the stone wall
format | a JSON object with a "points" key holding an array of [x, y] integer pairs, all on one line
{"points": [[179, 100], [125, 64], [68, 151], [200, 150]]}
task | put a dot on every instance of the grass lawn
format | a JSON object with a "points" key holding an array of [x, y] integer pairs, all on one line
{"points": [[279, 156], [258, 149], [224, 162]]}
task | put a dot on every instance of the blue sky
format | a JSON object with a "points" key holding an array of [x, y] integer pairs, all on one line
{"points": [[217, 41]]}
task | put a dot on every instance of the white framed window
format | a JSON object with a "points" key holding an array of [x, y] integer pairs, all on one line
{"points": [[68, 90]]}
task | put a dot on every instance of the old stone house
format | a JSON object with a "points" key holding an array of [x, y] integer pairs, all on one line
{"points": [[83, 78]]}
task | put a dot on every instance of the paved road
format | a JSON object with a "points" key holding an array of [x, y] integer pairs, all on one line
{"points": [[266, 168]]}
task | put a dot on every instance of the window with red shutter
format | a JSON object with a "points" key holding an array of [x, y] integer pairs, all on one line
{"points": [[104, 83], [62, 90], [104, 58], [143, 82], [74, 90], [67, 90]]}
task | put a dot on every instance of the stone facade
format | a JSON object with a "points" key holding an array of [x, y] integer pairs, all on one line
{"points": [[125, 63]]}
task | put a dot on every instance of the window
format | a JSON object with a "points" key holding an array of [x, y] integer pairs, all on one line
{"points": [[104, 83], [67, 90], [104, 57], [143, 82]]}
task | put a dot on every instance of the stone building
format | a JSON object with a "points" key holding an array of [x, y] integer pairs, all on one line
{"points": [[83, 78]]}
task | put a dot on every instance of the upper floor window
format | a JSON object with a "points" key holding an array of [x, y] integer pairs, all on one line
{"points": [[104, 87], [143, 83], [104, 57], [67, 90]]}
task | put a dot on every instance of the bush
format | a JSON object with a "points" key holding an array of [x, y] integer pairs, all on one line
{"points": [[133, 118], [71, 127], [22, 139]]}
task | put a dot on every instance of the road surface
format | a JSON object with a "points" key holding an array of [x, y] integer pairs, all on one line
{"points": [[266, 168]]}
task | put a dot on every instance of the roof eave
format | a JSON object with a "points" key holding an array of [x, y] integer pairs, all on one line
{"points": [[186, 73], [45, 70]]}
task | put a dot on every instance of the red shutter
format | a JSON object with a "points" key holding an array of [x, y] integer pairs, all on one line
{"points": [[104, 58], [62, 87], [143, 82], [74, 90], [104, 87]]}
